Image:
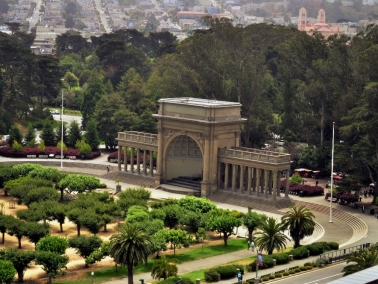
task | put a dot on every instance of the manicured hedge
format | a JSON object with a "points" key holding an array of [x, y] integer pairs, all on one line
{"points": [[281, 258], [299, 253], [7, 151], [315, 248], [211, 276], [308, 190], [267, 263], [228, 271], [175, 279]]}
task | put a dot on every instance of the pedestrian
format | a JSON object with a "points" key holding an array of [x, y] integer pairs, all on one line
{"points": [[248, 244], [253, 246], [108, 168], [240, 276], [363, 208], [316, 183], [360, 199]]}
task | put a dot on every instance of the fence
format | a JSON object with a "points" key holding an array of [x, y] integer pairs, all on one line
{"points": [[341, 254]]}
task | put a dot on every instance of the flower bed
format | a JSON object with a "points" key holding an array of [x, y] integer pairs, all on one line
{"points": [[307, 190], [34, 151], [344, 197]]}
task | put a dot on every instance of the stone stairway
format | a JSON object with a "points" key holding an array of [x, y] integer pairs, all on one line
{"points": [[134, 179], [258, 203], [358, 226]]}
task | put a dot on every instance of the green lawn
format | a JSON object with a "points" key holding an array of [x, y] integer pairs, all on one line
{"points": [[67, 111], [182, 256]]}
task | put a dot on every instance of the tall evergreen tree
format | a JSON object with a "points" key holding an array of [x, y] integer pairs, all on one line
{"points": [[14, 134], [48, 135], [74, 134], [91, 135]]}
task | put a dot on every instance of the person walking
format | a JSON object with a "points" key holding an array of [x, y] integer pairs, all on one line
{"points": [[363, 208], [240, 276], [108, 168], [252, 246], [248, 244], [316, 183]]}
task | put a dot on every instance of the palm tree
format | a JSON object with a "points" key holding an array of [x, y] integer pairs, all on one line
{"points": [[162, 268], [361, 259], [271, 237], [299, 221], [130, 247]]}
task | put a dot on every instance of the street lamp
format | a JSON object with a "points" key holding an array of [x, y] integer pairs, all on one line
{"points": [[333, 147], [61, 138], [92, 273]]}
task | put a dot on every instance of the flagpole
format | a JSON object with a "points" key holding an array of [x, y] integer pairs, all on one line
{"points": [[257, 281], [333, 149]]}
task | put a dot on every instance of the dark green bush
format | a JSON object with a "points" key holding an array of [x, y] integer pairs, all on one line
{"points": [[302, 268], [285, 273], [333, 245], [268, 263], [211, 276], [297, 270], [174, 279], [315, 248], [278, 275], [228, 271], [272, 277], [281, 258], [266, 278], [291, 271], [299, 253], [102, 185]]}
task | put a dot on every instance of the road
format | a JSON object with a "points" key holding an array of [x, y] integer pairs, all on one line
{"points": [[68, 118], [103, 20], [35, 17], [323, 276]]}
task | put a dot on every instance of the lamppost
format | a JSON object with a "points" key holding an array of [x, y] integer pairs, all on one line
{"points": [[61, 138], [92, 273], [333, 147], [257, 281]]}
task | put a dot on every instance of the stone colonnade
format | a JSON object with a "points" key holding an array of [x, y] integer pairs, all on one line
{"points": [[136, 160], [251, 180]]}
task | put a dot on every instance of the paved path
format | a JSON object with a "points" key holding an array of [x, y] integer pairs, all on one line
{"points": [[336, 231]]}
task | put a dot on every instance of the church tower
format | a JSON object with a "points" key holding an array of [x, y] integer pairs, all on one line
{"points": [[302, 19], [321, 17]]}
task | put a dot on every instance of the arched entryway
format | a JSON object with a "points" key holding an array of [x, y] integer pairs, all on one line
{"points": [[183, 159]]}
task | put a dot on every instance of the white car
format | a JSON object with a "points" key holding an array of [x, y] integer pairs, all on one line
{"points": [[280, 142], [54, 111], [265, 147]]}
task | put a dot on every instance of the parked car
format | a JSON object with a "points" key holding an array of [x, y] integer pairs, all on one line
{"points": [[280, 142], [54, 111], [265, 147]]}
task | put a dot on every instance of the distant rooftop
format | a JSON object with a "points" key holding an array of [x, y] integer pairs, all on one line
{"points": [[198, 102]]}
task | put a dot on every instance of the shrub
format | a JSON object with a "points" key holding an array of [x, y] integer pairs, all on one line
{"points": [[175, 279], [278, 275], [268, 263], [333, 245], [286, 273], [315, 248], [211, 276], [266, 278], [228, 271], [297, 270], [41, 146], [302, 268], [17, 147], [272, 277], [308, 267], [281, 258], [102, 185], [291, 271], [299, 253], [308, 263]]}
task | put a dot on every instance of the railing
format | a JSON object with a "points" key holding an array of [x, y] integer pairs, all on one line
{"points": [[341, 254], [255, 155], [134, 136]]}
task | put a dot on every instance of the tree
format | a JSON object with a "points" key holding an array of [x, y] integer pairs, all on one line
{"points": [[48, 134], [36, 231], [19, 259], [58, 213], [58, 135], [223, 222], [299, 221], [178, 238], [53, 244], [252, 220], [79, 183], [17, 228], [74, 134], [85, 245], [14, 134], [92, 221], [4, 223], [30, 135], [130, 246], [40, 194], [91, 135], [98, 254], [7, 272], [200, 204], [163, 268], [361, 260], [52, 263], [271, 237], [172, 215]]}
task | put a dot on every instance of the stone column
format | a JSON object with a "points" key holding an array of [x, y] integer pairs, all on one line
{"points": [[253, 173], [279, 183], [145, 162], [266, 183], [132, 159], [138, 160], [125, 158], [287, 183], [249, 180], [151, 163], [270, 180], [233, 182], [257, 189], [226, 174], [119, 157], [274, 185], [241, 178]]}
